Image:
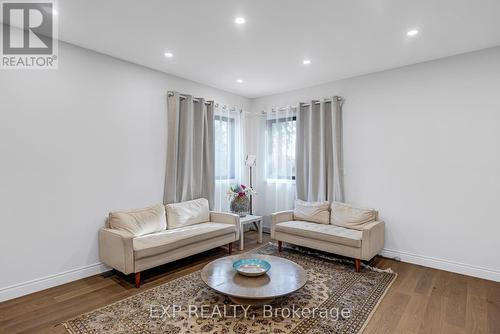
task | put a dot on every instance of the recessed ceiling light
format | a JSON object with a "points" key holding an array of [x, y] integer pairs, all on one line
{"points": [[306, 62], [169, 54], [239, 80], [413, 32], [239, 20]]}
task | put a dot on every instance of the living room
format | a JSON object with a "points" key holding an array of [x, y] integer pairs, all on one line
{"points": [[222, 166]]}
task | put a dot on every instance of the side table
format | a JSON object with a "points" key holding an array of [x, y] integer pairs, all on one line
{"points": [[249, 219]]}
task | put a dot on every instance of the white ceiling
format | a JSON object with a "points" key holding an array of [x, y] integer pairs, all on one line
{"points": [[342, 38]]}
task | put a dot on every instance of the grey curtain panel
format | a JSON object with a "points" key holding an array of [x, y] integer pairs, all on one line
{"points": [[319, 151], [190, 164]]}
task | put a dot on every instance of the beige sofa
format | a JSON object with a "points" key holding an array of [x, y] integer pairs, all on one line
{"points": [[337, 228], [133, 241]]}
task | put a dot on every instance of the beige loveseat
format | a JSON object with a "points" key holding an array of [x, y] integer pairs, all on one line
{"points": [[337, 228], [133, 241]]}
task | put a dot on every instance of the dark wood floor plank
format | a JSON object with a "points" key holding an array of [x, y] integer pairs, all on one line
{"points": [[433, 319], [426, 281], [493, 307], [456, 302], [412, 318], [476, 321], [387, 317]]}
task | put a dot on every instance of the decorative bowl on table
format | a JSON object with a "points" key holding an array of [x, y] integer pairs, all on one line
{"points": [[251, 267]]}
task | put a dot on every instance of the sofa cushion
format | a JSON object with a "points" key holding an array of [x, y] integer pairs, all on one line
{"points": [[187, 213], [164, 241], [139, 222], [345, 215], [330, 233], [315, 212]]}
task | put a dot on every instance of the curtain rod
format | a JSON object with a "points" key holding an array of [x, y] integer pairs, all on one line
{"points": [[195, 99], [339, 98], [229, 109]]}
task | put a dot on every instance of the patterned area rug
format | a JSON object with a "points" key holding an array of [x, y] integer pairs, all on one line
{"points": [[335, 299]]}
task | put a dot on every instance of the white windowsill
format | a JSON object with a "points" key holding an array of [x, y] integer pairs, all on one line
{"points": [[225, 180], [280, 181]]}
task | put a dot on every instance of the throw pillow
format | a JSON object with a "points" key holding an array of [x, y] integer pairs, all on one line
{"points": [[141, 221], [187, 213], [315, 212], [345, 215]]}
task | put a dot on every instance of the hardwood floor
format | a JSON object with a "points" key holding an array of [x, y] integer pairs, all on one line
{"points": [[421, 300]]}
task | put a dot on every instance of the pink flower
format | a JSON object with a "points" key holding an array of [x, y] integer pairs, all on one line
{"points": [[241, 194], [243, 187]]}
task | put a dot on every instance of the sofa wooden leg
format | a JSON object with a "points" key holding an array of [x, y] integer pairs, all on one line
{"points": [[138, 279], [280, 246], [230, 248], [357, 263]]}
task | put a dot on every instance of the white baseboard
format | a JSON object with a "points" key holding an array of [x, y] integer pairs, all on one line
{"points": [[456, 267], [46, 282]]}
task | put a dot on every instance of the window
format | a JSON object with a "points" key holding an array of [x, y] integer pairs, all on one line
{"points": [[225, 147], [281, 134]]}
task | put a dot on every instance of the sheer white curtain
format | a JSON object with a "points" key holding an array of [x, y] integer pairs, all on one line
{"points": [[276, 189], [229, 152]]}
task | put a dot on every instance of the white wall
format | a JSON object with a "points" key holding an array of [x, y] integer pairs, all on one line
{"points": [[76, 143], [422, 144]]}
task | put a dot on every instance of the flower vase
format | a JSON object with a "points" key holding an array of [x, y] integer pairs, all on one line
{"points": [[240, 205]]}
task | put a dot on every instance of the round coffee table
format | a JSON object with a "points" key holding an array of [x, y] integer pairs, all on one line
{"points": [[283, 278]]}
